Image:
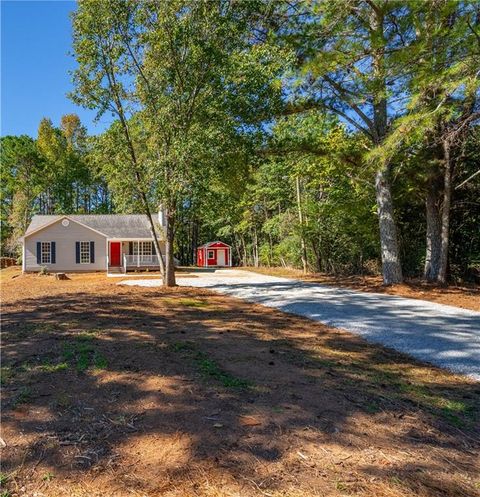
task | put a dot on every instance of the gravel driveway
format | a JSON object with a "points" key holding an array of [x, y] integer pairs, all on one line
{"points": [[440, 334]]}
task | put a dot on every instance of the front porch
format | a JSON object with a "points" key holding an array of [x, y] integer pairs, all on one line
{"points": [[131, 255]]}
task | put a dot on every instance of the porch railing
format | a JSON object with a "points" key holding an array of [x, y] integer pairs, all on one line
{"points": [[133, 261], [140, 260]]}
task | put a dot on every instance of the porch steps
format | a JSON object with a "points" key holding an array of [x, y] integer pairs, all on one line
{"points": [[115, 270]]}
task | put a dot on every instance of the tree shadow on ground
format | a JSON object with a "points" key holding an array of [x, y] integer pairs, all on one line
{"points": [[413, 326], [150, 390]]}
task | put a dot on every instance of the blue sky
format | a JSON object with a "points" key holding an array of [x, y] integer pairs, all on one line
{"points": [[35, 60]]}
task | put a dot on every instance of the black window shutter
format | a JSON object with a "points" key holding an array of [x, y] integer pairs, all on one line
{"points": [[92, 252], [39, 252], [130, 248], [77, 252], [153, 249], [53, 254]]}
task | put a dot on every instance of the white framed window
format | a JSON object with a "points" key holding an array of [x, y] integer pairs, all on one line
{"points": [[46, 253], [211, 254], [142, 248], [84, 252]]}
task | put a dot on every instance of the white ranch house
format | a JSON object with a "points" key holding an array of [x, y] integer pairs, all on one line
{"points": [[91, 242]]}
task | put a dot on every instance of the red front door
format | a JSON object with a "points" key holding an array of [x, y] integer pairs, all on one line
{"points": [[114, 253]]}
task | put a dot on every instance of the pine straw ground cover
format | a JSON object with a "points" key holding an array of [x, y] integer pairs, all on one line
{"points": [[116, 391]]}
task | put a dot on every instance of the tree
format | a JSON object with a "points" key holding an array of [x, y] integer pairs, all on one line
{"points": [[102, 81], [22, 181], [176, 72], [313, 157], [348, 63], [444, 104], [49, 175]]}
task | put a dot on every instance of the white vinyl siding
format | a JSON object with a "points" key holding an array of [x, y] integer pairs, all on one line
{"points": [[84, 252], [65, 238], [46, 253]]}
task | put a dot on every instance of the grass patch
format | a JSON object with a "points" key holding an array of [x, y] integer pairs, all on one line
{"points": [[33, 329], [88, 335], [82, 354], [53, 368], [211, 369], [23, 396], [457, 412], [208, 367], [324, 363], [182, 346], [341, 486], [6, 374], [372, 407], [193, 302], [62, 400], [186, 301], [99, 361]]}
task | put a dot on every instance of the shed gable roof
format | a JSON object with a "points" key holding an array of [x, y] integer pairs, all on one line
{"points": [[111, 225], [215, 244]]}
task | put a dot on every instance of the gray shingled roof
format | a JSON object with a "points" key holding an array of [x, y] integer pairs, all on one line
{"points": [[111, 225]]}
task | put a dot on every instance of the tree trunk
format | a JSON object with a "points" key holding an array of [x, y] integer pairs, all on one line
{"points": [[300, 219], [169, 277], [434, 230], [194, 245], [136, 169], [318, 256], [244, 249], [391, 268], [237, 243], [255, 248], [447, 199]]}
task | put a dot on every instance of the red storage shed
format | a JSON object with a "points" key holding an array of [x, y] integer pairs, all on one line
{"points": [[217, 254]]}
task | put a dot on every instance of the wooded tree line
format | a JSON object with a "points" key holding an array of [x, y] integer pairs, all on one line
{"points": [[50, 174], [338, 136]]}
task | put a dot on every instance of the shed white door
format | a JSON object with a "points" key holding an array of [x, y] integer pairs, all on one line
{"points": [[221, 257]]}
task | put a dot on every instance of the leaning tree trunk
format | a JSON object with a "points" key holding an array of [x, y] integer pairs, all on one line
{"points": [[447, 199], [434, 230], [156, 243], [169, 277], [391, 268]]}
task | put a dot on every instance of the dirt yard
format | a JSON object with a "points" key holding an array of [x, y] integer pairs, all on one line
{"points": [[467, 297], [114, 391]]}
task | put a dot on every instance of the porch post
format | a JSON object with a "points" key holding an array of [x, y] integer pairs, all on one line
{"points": [[24, 252]]}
